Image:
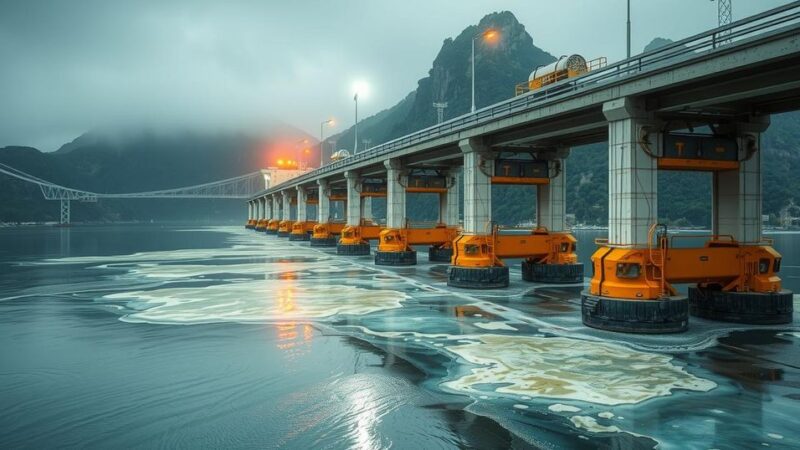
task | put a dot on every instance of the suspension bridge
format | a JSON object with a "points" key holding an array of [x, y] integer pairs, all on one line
{"points": [[241, 187]]}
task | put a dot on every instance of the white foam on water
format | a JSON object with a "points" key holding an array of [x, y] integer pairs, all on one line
{"points": [[559, 407], [569, 369], [495, 326], [257, 301], [775, 435], [519, 406], [606, 415], [590, 424]]}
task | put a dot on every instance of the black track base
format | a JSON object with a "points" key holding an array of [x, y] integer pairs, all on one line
{"points": [[284, 233], [299, 237], [273, 232], [439, 254], [552, 273], [324, 242], [249, 227], [762, 308], [408, 258], [477, 277], [635, 316], [352, 249]]}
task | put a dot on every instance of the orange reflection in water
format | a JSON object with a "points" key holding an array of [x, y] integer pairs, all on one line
{"points": [[292, 335]]}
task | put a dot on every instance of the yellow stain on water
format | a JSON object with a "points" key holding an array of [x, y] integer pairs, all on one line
{"points": [[570, 369]]}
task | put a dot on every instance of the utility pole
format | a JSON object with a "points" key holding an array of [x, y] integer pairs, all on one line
{"points": [[440, 106], [355, 144], [629, 29], [724, 17]]}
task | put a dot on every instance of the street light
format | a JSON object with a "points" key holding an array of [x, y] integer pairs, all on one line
{"points": [[488, 35], [321, 138], [359, 87]]}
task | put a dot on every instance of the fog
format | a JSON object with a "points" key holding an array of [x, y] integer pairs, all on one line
{"points": [[69, 67]]}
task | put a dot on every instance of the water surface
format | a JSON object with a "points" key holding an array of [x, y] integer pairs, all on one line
{"points": [[144, 336]]}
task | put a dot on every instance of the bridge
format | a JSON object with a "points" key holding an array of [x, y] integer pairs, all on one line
{"points": [[241, 187], [650, 109]]}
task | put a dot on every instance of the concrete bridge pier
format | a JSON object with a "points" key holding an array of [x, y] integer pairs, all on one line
{"points": [[260, 222], [351, 242], [250, 215], [275, 214], [735, 270], [736, 212], [448, 217], [323, 235], [560, 265], [474, 264], [393, 246], [285, 226], [301, 228]]}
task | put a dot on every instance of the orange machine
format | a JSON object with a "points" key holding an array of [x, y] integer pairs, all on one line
{"points": [[326, 234], [394, 244], [733, 282], [301, 231], [285, 228], [272, 226], [354, 240], [632, 289], [548, 257], [261, 225], [251, 224]]}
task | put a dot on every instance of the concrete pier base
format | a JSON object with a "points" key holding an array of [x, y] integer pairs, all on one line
{"points": [[669, 315], [761, 308], [405, 258], [552, 273], [477, 277]]}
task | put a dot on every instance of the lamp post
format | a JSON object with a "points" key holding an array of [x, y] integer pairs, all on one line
{"points": [[355, 144], [488, 34], [321, 138], [360, 88], [629, 29]]}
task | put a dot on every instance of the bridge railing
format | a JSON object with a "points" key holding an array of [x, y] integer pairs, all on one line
{"points": [[718, 39]]}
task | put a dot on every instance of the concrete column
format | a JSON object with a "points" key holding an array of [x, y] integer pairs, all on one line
{"points": [[267, 208], [395, 194], [324, 206], [550, 198], [353, 199], [301, 204], [250, 210], [287, 207], [448, 201], [276, 207], [478, 169], [632, 173], [736, 194]]}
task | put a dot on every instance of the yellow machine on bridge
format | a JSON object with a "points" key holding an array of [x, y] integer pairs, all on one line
{"points": [[564, 68]]}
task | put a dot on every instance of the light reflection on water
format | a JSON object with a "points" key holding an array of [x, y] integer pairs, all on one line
{"points": [[520, 354]]}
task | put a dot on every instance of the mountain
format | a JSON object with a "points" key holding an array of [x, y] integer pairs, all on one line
{"points": [[499, 66], [142, 160]]}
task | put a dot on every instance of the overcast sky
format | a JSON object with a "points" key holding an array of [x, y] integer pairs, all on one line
{"points": [[70, 66]]}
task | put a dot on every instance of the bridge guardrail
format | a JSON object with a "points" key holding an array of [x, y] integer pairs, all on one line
{"points": [[716, 39]]}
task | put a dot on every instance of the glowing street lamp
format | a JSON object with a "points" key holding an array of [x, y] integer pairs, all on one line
{"points": [[488, 35], [360, 87], [330, 123]]}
